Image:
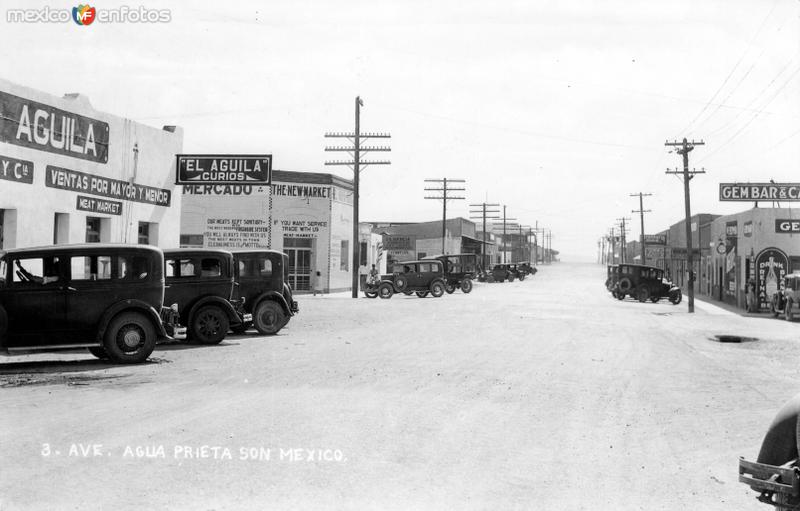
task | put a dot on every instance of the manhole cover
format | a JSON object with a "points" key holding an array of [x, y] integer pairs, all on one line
{"points": [[732, 338]]}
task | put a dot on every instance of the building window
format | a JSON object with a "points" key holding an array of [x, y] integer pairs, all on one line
{"points": [[92, 229], [191, 240], [144, 233], [60, 228], [343, 262], [362, 253]]}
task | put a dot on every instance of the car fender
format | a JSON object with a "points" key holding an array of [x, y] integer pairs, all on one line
{"points": [[275, 297], [222, 303], [131, 305], [674, 288], [780, 442]]}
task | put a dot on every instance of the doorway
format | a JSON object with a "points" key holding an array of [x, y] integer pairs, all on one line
{"points": [[299, 251]]}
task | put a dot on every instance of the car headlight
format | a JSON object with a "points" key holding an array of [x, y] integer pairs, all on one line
{"points": [[174, 308]]}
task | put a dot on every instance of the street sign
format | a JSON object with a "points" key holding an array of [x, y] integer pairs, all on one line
{"points": [[655, 239], [223, 169], [749, 192]]}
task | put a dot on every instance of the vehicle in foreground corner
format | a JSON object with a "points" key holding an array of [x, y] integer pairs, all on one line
{"points": [[644, 283], [786, 300], [420, 277], [108, 298], [261, 277], [775, 474], [201, 281], [459, 270]]}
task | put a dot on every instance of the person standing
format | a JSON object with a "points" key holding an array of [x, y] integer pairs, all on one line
{"points": [[318, 282]]}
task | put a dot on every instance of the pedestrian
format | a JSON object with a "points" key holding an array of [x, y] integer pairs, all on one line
{"points": [[750, 295], [317, 282], [374, 276]]}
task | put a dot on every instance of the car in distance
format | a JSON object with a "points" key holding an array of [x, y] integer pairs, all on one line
{"points": [[105, 297], [645, 283], [261, 278], [420, 277], [612, 276], [526, 268], [787, 300], [501, 272], [459, 270], [201, 282]]}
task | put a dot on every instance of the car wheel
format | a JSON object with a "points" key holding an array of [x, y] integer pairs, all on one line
{"points": [[450, 288], [620, 295], [773, 306], [654, 299], [268, 317], [99, 352], [437, 289], [787, 311], [625, 285], [209, 325], [521, 277], [401, 283], [642, 294], [371, 294], [422, 294], [511, 278], [676, 297], [385, 291], [130, 338], [241, 328], [466, 285]]}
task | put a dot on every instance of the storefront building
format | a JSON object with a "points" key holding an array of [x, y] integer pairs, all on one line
{"points": [[72, 174], [308, 215], [409, 241]]}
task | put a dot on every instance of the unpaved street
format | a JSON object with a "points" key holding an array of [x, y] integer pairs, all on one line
{"points": [[542, 394]]}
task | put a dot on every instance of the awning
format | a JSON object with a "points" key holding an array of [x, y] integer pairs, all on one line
{"points": [[476, 240]]}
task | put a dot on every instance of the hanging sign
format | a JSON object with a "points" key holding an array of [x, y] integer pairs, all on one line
{"points": [[239, 169]]}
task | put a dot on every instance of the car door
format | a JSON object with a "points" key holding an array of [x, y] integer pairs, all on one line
{"points": [[36, 306], [424, 275]]}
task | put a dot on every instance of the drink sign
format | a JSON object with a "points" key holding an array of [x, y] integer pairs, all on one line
{"points": [[771, 266]]}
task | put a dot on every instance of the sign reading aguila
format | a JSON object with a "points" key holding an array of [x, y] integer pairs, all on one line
{"points": [[65, 179], [35, 125], [749, 192], [224, 169], [787, 226]]}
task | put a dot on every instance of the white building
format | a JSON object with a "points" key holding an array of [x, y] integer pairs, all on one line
{"points": [[72, 174]]}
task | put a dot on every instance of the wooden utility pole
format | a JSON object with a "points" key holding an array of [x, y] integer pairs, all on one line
{"points": [[505, 220], [641, 212], [444, 198], [356, 164], [685, 148], [486, 212], [623, 247]]}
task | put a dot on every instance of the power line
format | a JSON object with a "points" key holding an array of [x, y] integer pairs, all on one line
{"points": [[641, 212], [444, 198], [487, 212]]}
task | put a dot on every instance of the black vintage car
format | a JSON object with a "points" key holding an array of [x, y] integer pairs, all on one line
{"points": [[107, 298], [786, 300], [261, 280], [420, 277], [459, 270], [644, 283], [502, 272], [526, 268], [612, 277], [201, 282]]}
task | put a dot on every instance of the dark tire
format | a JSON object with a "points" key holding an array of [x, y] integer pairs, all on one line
{"points": [[654, 299], [676, 297], [642, 294], [422, 294], [521, 277], [787, 311], [466, 285], [437, 289], [401, 282], [209, 325], [268, 317], [130, 338], [450, 288], [511, 278], [385, 291], [620, 295], [371, 294], [241, 328], [99, 352], [625, 285]]}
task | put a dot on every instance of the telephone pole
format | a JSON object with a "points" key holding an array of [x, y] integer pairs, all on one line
{"points": [[444, 198], [613, 241], [486, 212], [641, 212], [355, 151], [505, 219], [623, 247], [685, 148]]}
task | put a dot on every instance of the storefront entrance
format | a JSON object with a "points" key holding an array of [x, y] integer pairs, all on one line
{"points": [[299, 251]]}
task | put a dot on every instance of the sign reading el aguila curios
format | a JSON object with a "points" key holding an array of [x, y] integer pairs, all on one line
{"points": [[35, 125], [224, 169]]}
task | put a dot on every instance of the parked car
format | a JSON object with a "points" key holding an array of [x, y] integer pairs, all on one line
{"points": [[775, 474], [201, 282], [787, 300], [107, 298], [262, 282], [526, 268], [502, 272], [459, 270], [420, 277], [645, 283], [612, 277]]}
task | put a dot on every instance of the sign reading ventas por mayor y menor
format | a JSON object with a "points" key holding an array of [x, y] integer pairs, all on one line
{"points": [[35, 125], [224, 169], [749, 192]]}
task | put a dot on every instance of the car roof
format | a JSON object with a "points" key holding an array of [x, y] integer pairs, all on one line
{"points": [[237, 251], [82, 247], [641, 266], [196, 251], [419, 261]]}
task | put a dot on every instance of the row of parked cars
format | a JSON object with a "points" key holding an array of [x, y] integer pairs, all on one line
{"points": [[642, 283], [437, 275], [112, 298]]}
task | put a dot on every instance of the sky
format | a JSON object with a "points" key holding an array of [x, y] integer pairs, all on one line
{"points": [[558, 110]]}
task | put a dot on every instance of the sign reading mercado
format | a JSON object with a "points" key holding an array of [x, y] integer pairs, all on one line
{"points": [[749, 192], [221, 169], [35, 125]]}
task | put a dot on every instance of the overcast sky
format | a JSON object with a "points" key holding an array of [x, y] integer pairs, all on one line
{"points": [[558, 110]]}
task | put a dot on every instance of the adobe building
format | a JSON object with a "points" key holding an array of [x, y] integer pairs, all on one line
{"points": [[308, 215], [72, 174]]}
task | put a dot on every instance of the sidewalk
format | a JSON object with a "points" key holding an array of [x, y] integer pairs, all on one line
{"points": [[712, 306]]}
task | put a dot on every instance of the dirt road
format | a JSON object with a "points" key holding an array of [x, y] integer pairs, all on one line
{"points": [[542, 394]]}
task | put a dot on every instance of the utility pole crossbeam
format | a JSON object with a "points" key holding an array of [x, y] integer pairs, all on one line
{"points": [[356, 164], [641, 212], [685, 147], [486, 212], [444, 198]]}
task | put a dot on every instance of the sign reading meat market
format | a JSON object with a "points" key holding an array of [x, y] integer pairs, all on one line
{"points": [[749, 192], [224, 169], [35, 125]]}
